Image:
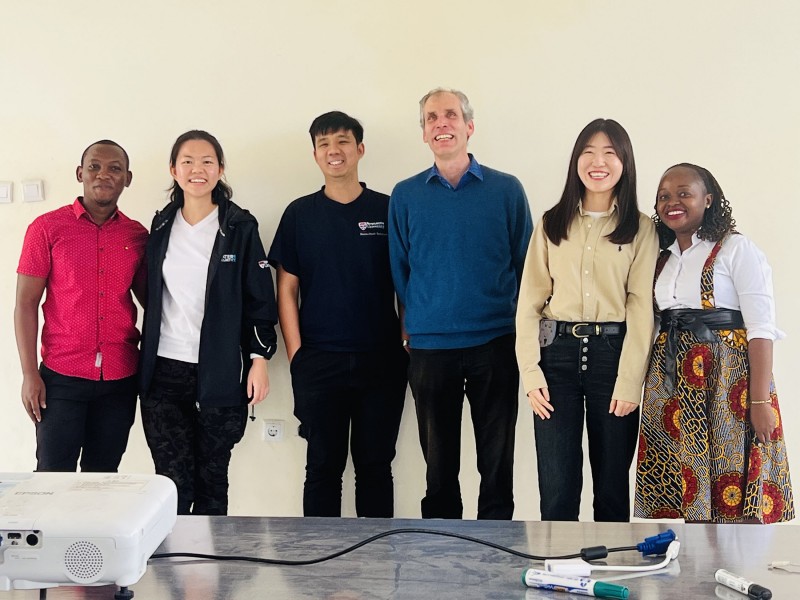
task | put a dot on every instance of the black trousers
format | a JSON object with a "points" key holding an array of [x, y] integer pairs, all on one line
{"points": [[580, 374], [355, 398], [489, 377], [86, 419], [190, 444]]}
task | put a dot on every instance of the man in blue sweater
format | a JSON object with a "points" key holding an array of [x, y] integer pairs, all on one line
{"points": [[458, 234]]}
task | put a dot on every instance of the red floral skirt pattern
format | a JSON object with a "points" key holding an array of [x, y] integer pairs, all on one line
{"points": [[696, 458]]}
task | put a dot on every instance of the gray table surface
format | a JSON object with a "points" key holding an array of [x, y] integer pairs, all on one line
{"points": [[416, 566]]}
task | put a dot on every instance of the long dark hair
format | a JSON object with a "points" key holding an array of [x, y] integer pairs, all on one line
{"points": [[718, 218], [222, 191], [556, 221]]}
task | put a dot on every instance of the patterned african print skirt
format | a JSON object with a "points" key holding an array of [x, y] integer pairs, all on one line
{"points": [[697, 459]]}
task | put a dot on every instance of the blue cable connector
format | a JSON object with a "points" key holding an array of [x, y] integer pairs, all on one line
{"points": [[656, 544]]}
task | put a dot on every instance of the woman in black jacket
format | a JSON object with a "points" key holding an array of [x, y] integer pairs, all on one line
{"points": [[209, 327]]}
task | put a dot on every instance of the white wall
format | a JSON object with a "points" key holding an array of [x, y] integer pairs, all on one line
{"points": [[710, 82]]}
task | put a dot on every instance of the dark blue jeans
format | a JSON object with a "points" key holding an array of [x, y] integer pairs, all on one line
{"points": [[90, 419], [489, 377], [580, 377], [355, 399]]}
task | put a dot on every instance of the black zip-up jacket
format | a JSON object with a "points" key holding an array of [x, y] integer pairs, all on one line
{"points": [[240, 310]]}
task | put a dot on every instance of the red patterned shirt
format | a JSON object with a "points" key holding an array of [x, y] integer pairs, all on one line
{"points": [[89, 316]]}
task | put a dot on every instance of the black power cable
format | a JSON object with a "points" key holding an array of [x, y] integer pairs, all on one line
{"points": [[593, 553]]}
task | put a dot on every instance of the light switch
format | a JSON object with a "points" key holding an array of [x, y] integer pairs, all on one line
{"points": [[33, 191], [6, 190]]}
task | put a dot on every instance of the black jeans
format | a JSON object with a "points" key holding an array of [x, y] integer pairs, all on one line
{"points": [[190, 444], [582, 374], [354, 397], [86, 418], [489, 377]]}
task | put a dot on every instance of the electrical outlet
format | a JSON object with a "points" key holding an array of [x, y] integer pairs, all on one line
{"points": [[273, 430]]}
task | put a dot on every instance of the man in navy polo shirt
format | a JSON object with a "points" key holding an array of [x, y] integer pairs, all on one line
{"points": [[458, 233], [336, 306]]}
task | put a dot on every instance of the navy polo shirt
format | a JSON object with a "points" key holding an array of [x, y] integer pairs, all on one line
{"points": [[340, 253]]}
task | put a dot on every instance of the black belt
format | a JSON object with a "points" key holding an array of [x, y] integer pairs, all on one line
{"points": [[701, 323], [589, 329]]}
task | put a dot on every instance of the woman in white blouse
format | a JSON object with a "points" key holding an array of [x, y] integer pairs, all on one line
{"points": [[711, 447], [209, 327]]}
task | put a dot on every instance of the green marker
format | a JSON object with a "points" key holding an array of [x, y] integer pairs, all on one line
{"points": [[573, 585]]}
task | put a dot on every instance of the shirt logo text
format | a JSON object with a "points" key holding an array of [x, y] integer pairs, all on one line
{"points": [[364, 225]]}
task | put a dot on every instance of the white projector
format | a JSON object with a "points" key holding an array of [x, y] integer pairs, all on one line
{"points": [[82, 529]]}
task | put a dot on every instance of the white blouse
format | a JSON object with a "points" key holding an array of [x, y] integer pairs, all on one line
{"points": [[185, 271], [742, 281]]}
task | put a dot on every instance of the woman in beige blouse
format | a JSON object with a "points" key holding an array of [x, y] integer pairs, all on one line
{"points": [[585, 325]]}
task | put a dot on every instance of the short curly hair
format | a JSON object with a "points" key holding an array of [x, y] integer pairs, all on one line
{"points": [[718, 220]]}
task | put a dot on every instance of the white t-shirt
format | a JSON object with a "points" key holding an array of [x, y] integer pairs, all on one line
{"points": [[742, 281], [185, 272]]}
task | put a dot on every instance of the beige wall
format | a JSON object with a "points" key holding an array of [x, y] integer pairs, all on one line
{"points": [[710, 82]]}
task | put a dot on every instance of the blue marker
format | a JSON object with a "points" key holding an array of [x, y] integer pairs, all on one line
{"points": [[573, 585]]}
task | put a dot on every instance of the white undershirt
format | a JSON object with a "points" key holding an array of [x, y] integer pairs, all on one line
{"points": [[742, 281], [185, 272], [596, 214]]}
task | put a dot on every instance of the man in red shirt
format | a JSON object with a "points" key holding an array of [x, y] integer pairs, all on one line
{"points": [[89, 257]]}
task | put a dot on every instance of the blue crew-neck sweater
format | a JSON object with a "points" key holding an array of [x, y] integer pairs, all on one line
{"points": [[457, 256]]}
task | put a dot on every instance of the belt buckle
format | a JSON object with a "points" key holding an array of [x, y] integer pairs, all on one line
{"points": [[577, 335]]}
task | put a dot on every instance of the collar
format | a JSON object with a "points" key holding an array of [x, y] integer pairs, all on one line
{"points": [[607, 213], [361, 193], [229, 215], [473, 171], [79, 210], [675, 249]]}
